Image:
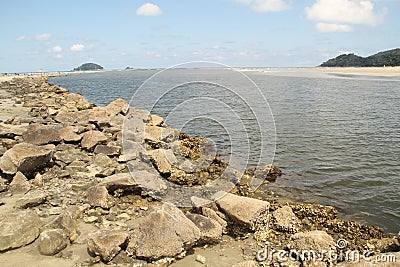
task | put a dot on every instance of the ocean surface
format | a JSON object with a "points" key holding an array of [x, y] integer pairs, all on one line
{"points": [[335, 137]]}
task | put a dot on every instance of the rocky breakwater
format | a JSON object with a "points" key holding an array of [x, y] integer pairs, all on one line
{"points": [[73, 194]]}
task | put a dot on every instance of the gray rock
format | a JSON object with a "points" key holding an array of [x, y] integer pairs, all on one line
{"points": [[210, 230], [38, 134], [107, 150], [241, 210], [18, 229], [106, 243], [165, 232], [31, 199], [51, 242], [119, 181], [97, 196], [316, 241], [19, 184], [92, 138], [68, 156], [285, 220], [25, 158]]}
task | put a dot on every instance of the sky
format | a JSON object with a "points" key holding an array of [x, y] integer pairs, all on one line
{"points": [[60, 35]]}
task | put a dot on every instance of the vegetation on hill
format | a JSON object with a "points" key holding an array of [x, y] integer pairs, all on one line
{"points": [[386, 58], [88, 66]]}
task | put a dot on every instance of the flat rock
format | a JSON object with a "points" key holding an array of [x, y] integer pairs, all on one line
{"points": [[25, 158], [79, 101], [107, 150], [52, 242], [18, 229], [70, 155], [106, 243], [68, 134], [119, 181], [31, 199], [241, 210], [38, 134], [92, 138], [165, 232], [163, 159]]}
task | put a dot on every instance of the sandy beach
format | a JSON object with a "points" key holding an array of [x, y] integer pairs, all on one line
{"points": [[368, 71]]}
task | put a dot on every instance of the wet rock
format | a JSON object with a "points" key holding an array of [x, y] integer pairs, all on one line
{"points": [[25, 158], [210, 230], [38, 134], [19, 184], [118, 106], [97, 196], [317, 241], [285, 220], [165, 232], [68, 134], [70, 155], [383, 245], [106, 243], [32, 199], [242, 210], [269, 173], [53, 241], [92, 138], [18, 229], [107, 150]]}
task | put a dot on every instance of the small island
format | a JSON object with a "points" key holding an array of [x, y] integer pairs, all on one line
{"points": [[382, 59], [88, 66]]}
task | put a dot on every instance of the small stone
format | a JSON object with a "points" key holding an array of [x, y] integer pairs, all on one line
{"points": [[92, 138], [52, 241], [107, 150], [97, 196], [201, 259]]}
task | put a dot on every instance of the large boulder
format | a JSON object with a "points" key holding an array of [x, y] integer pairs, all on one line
{"points": [[106, 243], [165, 232], [241, 210], [39, 134], [25, 158], [18, 229]]}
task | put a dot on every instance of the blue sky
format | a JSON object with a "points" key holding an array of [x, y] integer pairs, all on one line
{"points": [[60, 35]]}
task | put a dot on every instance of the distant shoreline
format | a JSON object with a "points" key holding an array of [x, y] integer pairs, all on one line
{"points": [[369, 71]]}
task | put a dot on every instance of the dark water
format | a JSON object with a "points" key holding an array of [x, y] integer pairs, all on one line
{"points": [[337, 138]]}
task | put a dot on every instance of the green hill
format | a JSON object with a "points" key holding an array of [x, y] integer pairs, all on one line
{"points": [[88, 66], [386, 58]]}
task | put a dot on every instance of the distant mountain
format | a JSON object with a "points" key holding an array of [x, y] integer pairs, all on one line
{"points": [[88, 66], [386, 58]]}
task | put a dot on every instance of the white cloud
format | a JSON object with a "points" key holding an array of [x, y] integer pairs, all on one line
{"points": [[58, 56], [56, 49], [149, 9], [77, 47], [345, 12], [43, 37], [333, 27], [23, 38], [265, 5]]}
